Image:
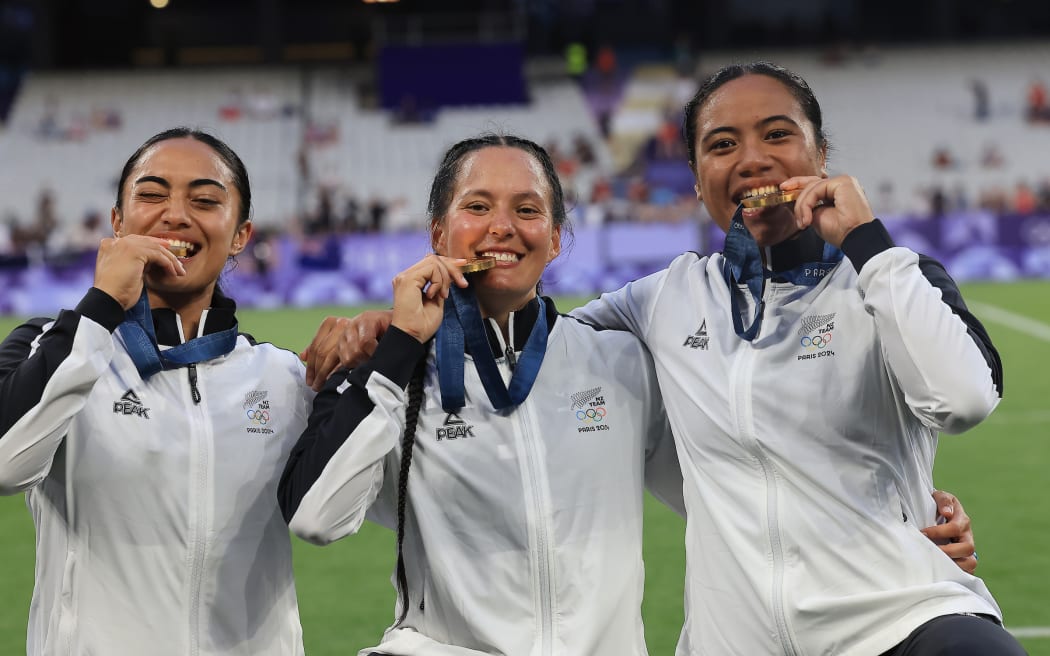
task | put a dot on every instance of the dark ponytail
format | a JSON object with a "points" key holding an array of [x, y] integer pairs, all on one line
{"points": [[415, 400]]}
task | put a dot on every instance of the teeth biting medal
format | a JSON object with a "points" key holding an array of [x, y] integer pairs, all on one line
{"points": [[477, 264], [179, 248], [768, 196]]}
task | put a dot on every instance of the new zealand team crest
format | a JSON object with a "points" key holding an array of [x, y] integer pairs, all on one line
{"points": [[257, 410], [815, 336]]}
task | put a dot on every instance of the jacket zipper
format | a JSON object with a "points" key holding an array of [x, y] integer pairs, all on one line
{"points": [[194, 392], [199, 474], [743, 377], [544, 548], [535, 486]]}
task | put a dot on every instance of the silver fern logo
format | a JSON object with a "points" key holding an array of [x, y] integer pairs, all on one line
{"points": [[580, 399], [253, 398], [812, 324]]}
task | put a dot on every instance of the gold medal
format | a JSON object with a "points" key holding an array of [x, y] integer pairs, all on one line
{"points": [[179, 248], [770, 198], [477, 264]]}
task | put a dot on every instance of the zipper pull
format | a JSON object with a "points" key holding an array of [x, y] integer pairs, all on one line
{"points": [[194, 392], [512, 359]]}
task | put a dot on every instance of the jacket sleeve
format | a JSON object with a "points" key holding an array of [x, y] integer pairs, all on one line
{"points": [[47, 370], [336, 468], [940, 354], [663, 474], [628, 308]]}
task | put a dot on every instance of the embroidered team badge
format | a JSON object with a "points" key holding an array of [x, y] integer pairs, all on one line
{"points": [[257, 409], [589, 407], [815, 336]]}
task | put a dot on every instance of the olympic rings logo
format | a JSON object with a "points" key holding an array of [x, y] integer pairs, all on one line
{"points": [[816, 341], [595, 415], [259, 416]]}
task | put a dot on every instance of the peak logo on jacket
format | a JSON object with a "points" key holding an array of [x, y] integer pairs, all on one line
{"points": [[130, 404], [815, 336], [257, 409], [590, 410], [454, 428], [699, 339]]}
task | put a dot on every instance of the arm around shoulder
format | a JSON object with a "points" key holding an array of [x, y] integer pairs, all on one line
{"points": [[336, 469]]}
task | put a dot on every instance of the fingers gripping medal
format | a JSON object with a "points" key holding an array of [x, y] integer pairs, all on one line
{"points": [[768, 196], [477, 264]]}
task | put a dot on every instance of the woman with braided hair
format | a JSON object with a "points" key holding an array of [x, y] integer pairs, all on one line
{"points": [[808, 420], [513, 466]]}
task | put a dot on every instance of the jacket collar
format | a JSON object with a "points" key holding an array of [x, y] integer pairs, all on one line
{"points": [[523, 321], [792, 253], [221, 315]]}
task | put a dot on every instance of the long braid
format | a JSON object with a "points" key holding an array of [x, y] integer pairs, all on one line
{"points": [[415, 400]]}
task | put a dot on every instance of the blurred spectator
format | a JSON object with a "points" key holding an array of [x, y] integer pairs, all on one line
{"points": [[377, 210], [262, 255], [351, 215], [45, 222], [262, 104], [1037, 107], [1043, 196], [398, 218], [942, 159], [408, 111], [994, 199], [323, 219], [938, 201], [596, 212], [321, 134], [233, 107], [667, 143], [885, 201], [605, 64], [576, 60], [684, 61], [86, 235], [1024, 201], [7, 244], [960, 200], [48, 125], [583, 150], [981, 102], [106, 119], [992, 157]]}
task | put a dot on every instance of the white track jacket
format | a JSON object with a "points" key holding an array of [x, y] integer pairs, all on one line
{"points": [[808, 453], [524, 527], [157, 526]]}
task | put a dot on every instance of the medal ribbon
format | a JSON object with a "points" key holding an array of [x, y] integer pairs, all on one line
{"points": [[462, 327], [140, 340], [743, 265]]}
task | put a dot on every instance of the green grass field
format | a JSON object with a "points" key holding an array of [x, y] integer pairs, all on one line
{"points": [[346, 598]]}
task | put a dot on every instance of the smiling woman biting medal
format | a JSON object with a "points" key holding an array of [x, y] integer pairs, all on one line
{"points": [[148, 433]]}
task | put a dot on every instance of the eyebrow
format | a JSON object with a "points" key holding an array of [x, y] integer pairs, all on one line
{"points": [[200, 182], [765, 121], [517, 195]]}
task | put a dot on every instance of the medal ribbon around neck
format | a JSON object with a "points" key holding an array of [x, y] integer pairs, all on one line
{"points": [[462, 327], [742, 264], [140, 340]]}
